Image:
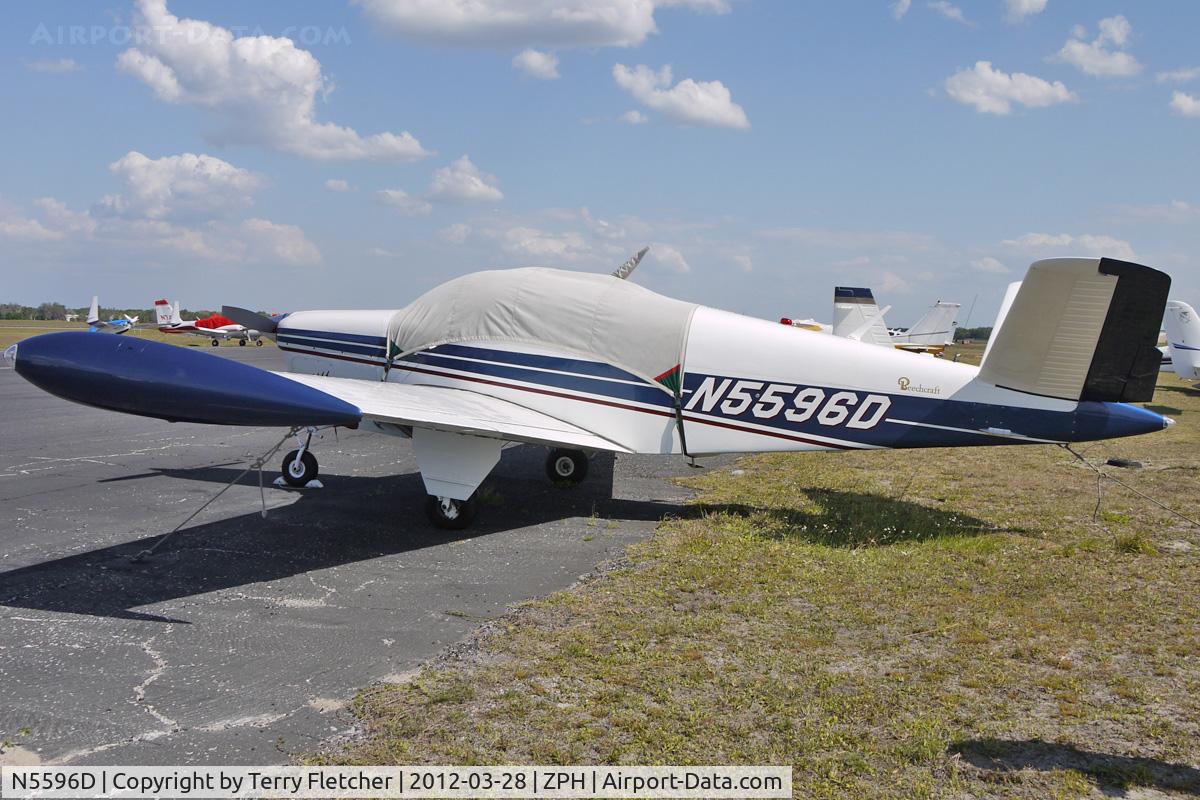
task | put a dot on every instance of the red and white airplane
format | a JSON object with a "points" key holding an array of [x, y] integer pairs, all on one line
{"points": [[217, 328]]}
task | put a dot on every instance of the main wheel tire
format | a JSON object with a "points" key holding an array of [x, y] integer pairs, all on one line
{"points": [[241, 342], [566, 465], [449, 514], [258, 342], [216, 343], [299, 474]]}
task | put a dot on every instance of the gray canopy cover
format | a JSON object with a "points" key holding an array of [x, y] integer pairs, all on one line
{"points": [[597, 317]]}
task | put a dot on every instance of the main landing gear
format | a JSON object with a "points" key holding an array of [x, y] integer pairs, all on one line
{"points": [[241, 342], [216, 342], [569, 466], [300, 465]]}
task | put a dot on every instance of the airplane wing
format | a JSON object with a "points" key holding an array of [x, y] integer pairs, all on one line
{"points": [[441, 408]]}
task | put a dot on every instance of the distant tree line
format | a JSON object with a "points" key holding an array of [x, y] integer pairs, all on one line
{"points": [[59, 311], [976, 334]]}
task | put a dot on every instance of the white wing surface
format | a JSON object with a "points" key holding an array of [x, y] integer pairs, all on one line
{"points": [[459, 411]]}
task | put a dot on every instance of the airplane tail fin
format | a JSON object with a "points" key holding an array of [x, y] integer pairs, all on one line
{"points": [[163, 313], [1183, 339], [937, 327], [1080, 329], [94, 311], [856, 316]]}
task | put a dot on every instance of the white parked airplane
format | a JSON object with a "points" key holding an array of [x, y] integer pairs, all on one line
{"points": [[1183, 339], [216, 328], [583, 363], [856, 316]]}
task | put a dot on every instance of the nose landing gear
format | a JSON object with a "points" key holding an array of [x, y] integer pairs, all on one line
{"points": [[450, 514]]}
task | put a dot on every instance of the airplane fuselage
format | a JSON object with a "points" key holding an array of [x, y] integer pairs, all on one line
{"points": [[747, 385]]}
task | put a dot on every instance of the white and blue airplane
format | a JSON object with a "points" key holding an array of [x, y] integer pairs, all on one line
{"points": [[1183, 339], [113, 325], [583, 363]]}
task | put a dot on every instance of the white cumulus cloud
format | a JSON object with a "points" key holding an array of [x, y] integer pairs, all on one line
{"points": [[1087, 244], [669, 258], [455, 234], [1017, 10], [1104, 55], [403, 203], [536, 243], [634, 117], [263, 88], [1185, 105], [900, 8], [991, 91], [989, 264], [170, 207], [337, 185], [186, 186], [688, 102], [1178, 75], [268, 241], [537, 64], [463, 182], [527, 23], [949, 11]]}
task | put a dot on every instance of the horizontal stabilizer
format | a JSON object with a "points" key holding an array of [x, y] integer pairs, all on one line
{"points": [[1081, 329]]}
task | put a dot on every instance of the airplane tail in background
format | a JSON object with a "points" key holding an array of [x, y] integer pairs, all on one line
{"points": [[1080, 329], [856, 316], [94, 311], [937, 327], [164, 314], [1183, 339]]}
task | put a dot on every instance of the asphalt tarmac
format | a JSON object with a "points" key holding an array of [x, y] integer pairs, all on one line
{"points": [[243, 639]]}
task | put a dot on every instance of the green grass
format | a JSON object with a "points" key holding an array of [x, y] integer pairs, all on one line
{"points": [[941, 623], [17, 329]]}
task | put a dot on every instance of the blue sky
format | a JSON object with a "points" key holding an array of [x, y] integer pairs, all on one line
{"points": [[301, 155]]}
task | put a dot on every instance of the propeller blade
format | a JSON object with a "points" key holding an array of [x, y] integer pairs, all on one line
{"points": [[250, 319]]}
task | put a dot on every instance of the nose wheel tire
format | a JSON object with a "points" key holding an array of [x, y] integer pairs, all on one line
{"points": [[450, 514], [566, 465], [216, 343], [299, 472]]}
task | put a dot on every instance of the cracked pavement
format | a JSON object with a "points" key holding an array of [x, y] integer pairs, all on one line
{"points": [[242, 640]]}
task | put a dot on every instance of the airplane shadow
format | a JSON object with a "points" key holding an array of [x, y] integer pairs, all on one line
{"points": [[857, 519], [1110, 772], [360, 518], [354, 519], [1191, 390]]}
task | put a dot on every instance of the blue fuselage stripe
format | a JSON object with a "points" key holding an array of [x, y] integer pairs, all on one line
{"points": [[557, 363], [642, 392], [355, 338]]}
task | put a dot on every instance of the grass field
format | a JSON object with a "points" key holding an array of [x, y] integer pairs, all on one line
{"points": [[14, 330], [939, 623]]}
